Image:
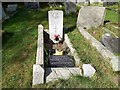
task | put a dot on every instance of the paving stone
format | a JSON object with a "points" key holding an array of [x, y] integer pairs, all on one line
{"points": [[63, 73], [90, 16], [38, 74], [116, 63], [88, 70]]}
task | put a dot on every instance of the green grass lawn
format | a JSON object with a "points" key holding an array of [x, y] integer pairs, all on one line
{"points": [[20, 47]]}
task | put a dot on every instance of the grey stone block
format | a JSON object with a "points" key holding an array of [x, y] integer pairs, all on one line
{"points": [[38, 74]]}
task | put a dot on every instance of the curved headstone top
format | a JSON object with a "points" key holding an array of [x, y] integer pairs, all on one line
{"points": [[91, 16], [55, 24]]}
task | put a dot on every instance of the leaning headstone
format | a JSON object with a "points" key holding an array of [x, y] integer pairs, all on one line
{"points": [[88, 70], [38, 74], [70, 6], [116, 63], [90, 16], [111, 43], [55, 24], [11, 8]]}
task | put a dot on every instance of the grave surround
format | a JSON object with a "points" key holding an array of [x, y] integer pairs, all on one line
{"points": [[46, 74], [114, 61]]}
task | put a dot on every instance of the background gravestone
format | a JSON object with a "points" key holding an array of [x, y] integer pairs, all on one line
{"points": [[32, 5], [90, 16], [70, 6], [11, 8], [55, 23]]}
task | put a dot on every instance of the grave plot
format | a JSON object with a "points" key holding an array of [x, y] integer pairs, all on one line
{"points": [[56, 58], [107, 42]]}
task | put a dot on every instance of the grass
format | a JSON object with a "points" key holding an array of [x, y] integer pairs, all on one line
{"points": [[19, 53]]}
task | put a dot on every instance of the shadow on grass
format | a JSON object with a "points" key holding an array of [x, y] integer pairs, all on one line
{"points": [[69, 29], [6, 36]]}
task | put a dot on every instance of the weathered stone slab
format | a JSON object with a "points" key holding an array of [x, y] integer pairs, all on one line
{"points": [[38, 74], [88, 70], [55, 24], [70, 6], [40, 47], [111, 43], [11, 8], [116, 63], [61, 61], [90, 16], [63, 73]]}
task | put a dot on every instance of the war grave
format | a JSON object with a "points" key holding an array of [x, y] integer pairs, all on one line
{"points": [[56, 58]]}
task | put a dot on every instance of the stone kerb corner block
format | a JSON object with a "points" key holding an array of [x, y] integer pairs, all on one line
{"points": [[90, 16], [40, 47], [38, 74], [116, 63], [88, 70]]}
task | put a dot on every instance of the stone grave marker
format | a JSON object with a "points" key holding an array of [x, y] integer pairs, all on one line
{"points": [[11, 8], [90, 16], [32, 5], [55, 24], [70, 6]]}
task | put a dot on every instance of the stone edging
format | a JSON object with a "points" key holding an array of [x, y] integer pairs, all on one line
{"points": [[101, 49], [72, 50], [40, 47]]}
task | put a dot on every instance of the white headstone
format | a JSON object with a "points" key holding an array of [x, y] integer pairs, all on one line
{"points": [[55, 24], [116, 63], [88, 70]]}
